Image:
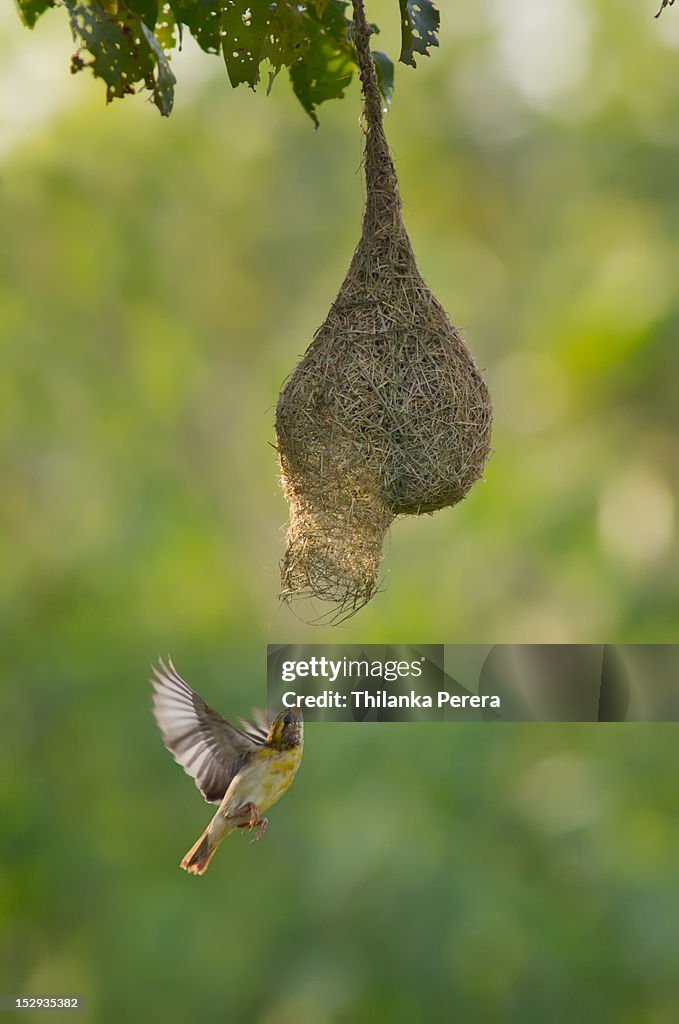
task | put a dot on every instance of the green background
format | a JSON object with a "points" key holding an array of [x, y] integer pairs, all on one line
{"points": [[158, 280]]}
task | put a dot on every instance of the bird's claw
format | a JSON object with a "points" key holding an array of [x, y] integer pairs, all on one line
{"points": [[261, 824], [254, 820]]}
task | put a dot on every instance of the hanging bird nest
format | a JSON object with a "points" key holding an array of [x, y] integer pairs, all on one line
{"points": [[387, 413]]}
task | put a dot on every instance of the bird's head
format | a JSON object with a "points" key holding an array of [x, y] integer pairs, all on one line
{"points": [[287, 730]]}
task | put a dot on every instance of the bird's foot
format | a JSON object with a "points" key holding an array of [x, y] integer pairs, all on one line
{"points": [[250, 811], [261, 829]]}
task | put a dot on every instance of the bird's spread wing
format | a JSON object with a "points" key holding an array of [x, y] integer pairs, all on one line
{"points": [[202, 742], [258, 728]]}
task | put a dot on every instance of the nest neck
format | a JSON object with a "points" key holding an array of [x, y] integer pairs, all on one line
{"points": [[383, 202]]}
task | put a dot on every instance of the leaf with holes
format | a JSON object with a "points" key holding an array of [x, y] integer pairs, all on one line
{"points": [[164, 82], [166, 28], [327, 66], [256, 30], [203, 20], [126, 42], [419, 27], [122, 51]]}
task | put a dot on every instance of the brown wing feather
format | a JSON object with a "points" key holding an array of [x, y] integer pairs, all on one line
{"points": [[260, 726], [207, 747]]}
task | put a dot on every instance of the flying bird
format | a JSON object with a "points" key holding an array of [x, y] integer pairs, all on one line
{"points": [[245, 770]]}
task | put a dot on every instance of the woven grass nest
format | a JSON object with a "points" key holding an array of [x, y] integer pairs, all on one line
{"points": [[387, 413]]}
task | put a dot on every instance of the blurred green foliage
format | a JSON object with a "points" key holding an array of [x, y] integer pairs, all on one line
{"points": [[158, 280]]}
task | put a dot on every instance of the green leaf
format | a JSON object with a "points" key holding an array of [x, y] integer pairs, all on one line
{"points": [[126, 42], [146, 9], [30, 10], [122, 51], [385, 74], [327, 66], [256, 30], [419, 26], [163, 87], [203, 20], [166, 28]]}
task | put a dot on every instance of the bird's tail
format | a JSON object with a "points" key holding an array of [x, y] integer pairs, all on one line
{"points": [[201, 853]]}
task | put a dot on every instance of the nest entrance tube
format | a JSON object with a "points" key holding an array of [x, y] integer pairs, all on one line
{"points": [[387, 413]]}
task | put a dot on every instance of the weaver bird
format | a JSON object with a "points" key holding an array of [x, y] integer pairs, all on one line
{"points": [[244, 771]]}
